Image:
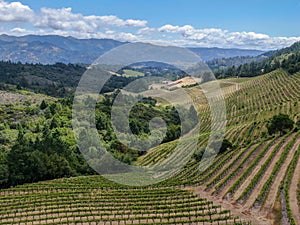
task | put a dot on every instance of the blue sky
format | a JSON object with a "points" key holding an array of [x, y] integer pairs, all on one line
{"points": [[259, 24]]}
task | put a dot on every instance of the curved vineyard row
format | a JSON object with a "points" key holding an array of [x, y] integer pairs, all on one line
{"points": [[248, 178], [32, 204]]}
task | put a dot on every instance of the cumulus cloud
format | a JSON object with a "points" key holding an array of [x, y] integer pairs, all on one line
{"points": [[136, 23], [146, 30], [120, 36], [66, 23], [115, 21], [213, 37], [62, 19], [184, 30], [65, 19], [17, 31], [15, 12]]}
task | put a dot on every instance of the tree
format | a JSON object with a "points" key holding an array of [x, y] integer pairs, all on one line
{"points": [[17, 159], [280, 123], [43, 105], [298, 125], [220, 145], [4, 173], [225, 146], [199, 153]]}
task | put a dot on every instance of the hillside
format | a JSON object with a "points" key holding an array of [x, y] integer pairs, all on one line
{"points": [[224, 63], [207, 54], [57, 80], [50, 49], [286, 58], [255, 181]]}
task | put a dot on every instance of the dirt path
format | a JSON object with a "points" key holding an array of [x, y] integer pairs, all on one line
{"points": [[250, 158], [266, 175], [237, 86], [235, 209], [245, 211], [284, 213], [271, 198], [293, 194], [240, 190]]}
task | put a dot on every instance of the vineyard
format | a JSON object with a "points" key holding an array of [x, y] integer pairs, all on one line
{"points": [[259, 178], [258, 182], [93, 200]]}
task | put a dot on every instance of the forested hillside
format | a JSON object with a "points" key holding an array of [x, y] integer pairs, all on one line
{"points": [[58, 80], [287, 59], [224, 63]]}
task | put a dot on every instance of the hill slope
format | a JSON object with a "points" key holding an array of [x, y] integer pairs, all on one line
{"points": [[207, 54], [286, 58], [252, 181], [52, 49], [249, 179]]}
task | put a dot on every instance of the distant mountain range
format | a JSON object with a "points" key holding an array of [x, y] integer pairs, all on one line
{"points": [[50, 49]]}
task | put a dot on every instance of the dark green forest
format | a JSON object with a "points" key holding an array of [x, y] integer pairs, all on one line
{"points": [[45, 148], [57, 80]]}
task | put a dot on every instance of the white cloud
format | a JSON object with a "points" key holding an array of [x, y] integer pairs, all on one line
{"points": [[62, 19], [65, 19], [135, 23], [18, 31], [109, 34], [213, 37], [111, 20], [146, 30], [15, 12], [127, 37], [184, 30]]}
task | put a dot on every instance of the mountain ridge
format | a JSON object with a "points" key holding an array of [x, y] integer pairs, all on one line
{"points": [[50, 49]]}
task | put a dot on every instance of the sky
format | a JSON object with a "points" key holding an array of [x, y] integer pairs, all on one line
{"points": [[255, 24]]}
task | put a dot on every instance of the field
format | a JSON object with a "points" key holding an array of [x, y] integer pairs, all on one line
{"points": [[92, 200], [256, 183], [132, 73]]}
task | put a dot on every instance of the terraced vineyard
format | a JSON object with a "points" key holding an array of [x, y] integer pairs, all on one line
{"points": [[258, 182]]}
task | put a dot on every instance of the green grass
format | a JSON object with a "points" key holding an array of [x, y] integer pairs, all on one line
{"points": [[132, 73]]}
